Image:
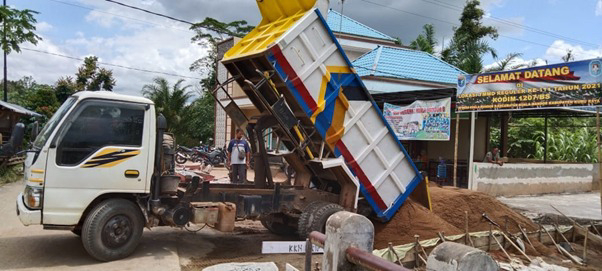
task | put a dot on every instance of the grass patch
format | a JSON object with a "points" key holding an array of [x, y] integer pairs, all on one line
{"points": [[9, 174]]}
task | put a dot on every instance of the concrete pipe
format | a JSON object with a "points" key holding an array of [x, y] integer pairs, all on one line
{"points": [[450, 256]]}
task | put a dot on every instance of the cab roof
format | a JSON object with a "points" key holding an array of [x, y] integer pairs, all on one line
{"points": [[109, 95]]}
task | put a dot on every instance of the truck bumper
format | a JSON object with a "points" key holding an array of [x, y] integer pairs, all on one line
{"points": [[27, 216]]}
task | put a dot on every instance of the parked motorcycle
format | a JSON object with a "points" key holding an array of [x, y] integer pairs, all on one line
{"points": [[184, 154], [217, 156]]}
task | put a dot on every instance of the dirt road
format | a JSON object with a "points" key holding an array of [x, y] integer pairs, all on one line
{"points": [[32, 248]]}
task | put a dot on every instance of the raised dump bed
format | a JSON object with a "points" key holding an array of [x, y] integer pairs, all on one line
{"points": [[316, 79]]}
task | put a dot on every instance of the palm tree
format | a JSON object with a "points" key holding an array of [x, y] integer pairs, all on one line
{"points": [[569, 56], [506, 63], [426, 41], [172, 102], [467, 54]]}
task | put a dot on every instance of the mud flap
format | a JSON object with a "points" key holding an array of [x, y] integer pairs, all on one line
{"points": [[422, 194]]}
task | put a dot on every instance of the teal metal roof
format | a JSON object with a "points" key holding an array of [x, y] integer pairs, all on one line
{"points": [[406, 64], [353, 27]]}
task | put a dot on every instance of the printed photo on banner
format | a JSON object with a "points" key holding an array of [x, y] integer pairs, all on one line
{"points": [[570, 84], [421, 120]]}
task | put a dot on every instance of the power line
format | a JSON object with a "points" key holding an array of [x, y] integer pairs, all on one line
{"points": [[220, 31], [455, 24], [513, 24], [118, 15], [113, 65], [151, 12]]}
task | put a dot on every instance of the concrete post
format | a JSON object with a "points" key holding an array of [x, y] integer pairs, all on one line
{"points": [[471, 150], [345, 229]]}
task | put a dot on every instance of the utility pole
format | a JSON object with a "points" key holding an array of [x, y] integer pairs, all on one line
{"points": [[5, 82]]}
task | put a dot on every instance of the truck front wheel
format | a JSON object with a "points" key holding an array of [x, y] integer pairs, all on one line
{"points": [[112, 230]]}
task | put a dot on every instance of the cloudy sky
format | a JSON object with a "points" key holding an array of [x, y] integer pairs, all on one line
{"points": [[539, 29]]}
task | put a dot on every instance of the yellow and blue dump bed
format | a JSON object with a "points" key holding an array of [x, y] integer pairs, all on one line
{"points": [[319, 83]]}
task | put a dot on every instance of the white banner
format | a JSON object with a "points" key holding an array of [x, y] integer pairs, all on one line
{"points": [[421, 120]]}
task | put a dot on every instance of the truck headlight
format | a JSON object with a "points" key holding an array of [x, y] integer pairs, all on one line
{"points": [[32, 197]]}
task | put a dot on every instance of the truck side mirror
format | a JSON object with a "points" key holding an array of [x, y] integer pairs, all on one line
{"points": [[161, 122], [15, 141]]}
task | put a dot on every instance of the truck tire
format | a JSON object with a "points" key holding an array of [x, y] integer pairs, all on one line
{"points": [[112, 230], [317, 215], [278, 228], [306, 218]]}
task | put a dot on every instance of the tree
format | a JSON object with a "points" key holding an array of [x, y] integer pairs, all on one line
{"points": [[569, 56], [28, 93], [209, 39], [172, 102], [426, 41], [507, 62], [17, 28], [468, 46], [93, 78], [89, 77]]}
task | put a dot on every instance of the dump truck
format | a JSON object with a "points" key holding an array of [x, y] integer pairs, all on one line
{"points": [[103, 165]]}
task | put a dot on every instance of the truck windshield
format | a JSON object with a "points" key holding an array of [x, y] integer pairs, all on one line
{"points": [[52, 123]]}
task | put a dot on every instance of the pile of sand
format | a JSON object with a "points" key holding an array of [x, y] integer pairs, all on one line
{"points": [[448, 217], [450, 203], [411, 219]]}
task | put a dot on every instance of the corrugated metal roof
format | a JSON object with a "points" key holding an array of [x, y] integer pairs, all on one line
{"points": [[18, 109], [406, 64], [353, 27]]}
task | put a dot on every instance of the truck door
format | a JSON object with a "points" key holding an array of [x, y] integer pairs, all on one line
{"points": [[100, 148]]}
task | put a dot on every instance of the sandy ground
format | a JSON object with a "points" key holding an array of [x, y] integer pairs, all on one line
{"points": [[584, 206], [32, 248]]}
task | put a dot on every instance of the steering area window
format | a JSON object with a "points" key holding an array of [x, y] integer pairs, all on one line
{"points": [[97, 124]]}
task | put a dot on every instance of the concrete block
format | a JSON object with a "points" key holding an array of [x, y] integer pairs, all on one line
{"points": [[449, 256], [345, 229]]}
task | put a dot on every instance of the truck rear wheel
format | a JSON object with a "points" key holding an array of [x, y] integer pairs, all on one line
{"points": [[314, 217], [277, 225], [112, 230]]}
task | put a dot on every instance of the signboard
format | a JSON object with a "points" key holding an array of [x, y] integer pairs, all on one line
{"points": [[286, 247], [571, 84], [421, 120]]}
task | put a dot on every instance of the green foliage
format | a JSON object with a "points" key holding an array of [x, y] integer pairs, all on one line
{"points": [[64, 88], [172, 102], [43, 100], [202, 114], [201, 111], [28, 93], [89, 77], [426, 41], [507, 63], [18, 28], [468, 46], [576, 143], [471, 26], [9, 174]]}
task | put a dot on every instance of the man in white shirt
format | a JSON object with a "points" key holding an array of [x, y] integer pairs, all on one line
{"points": [[239, 155]]}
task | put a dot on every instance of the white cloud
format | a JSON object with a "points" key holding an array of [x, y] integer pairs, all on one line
{"points": [[559, 48], [519, 62], [599, 8], [42, 67], [43, 26], [135, 43]]}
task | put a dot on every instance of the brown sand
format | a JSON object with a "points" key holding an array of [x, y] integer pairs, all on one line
{"points": [[448, 216], [450, 203], [410, 220]]}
